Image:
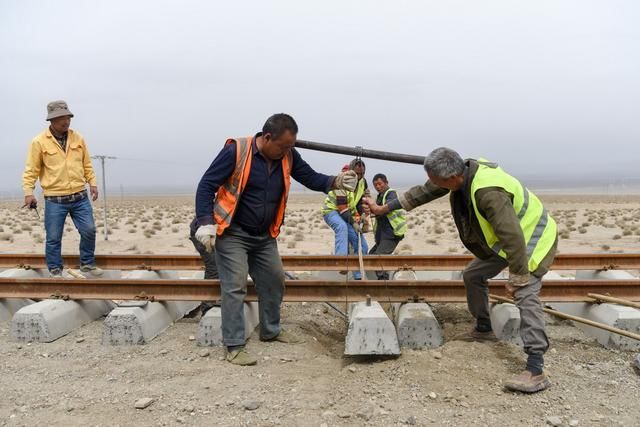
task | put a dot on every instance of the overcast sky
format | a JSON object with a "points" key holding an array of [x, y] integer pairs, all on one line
{"points": [[546, 88]]}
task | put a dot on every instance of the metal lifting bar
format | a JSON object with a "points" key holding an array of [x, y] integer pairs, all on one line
{"points": [[360, 152]]}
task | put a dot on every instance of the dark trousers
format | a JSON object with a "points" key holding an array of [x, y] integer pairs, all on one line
{"points": [[210, 269], [532, 332], [208, 259], [383, 247], [239, 254]]}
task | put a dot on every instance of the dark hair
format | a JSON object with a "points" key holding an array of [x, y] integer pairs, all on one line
{"points": [[381, 176], [355, 162], [279, 123]]}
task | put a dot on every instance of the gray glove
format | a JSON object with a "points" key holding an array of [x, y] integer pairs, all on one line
{"points": [[346, 181]]}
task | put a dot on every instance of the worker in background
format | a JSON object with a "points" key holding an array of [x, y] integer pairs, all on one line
{"points": [[389, 229], [59, 158], [505, 226], [341, 216], [250, 180], [357, 205]]}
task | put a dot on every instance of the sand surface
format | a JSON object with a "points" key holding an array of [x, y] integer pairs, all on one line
{"points": [[78, 381]]}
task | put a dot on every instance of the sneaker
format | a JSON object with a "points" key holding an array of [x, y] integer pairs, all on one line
{"points": [[55, 272], [92, 269], [241, 357], [475, 335], [285, 337], [526, 382]]}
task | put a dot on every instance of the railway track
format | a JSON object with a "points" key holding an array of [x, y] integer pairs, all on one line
{"points": [[299, 290], [308, 290], [627, 261]]}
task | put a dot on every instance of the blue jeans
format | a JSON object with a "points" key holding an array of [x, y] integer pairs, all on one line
{"points": [[82, 216], [239, 254], [345, 235]]}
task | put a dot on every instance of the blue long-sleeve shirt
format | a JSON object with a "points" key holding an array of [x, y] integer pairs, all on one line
{"points": [[259, 202]]}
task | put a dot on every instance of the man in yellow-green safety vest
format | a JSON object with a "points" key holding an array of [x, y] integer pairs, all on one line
{"points": [[390, 228], [340, 211], [505, 226]]}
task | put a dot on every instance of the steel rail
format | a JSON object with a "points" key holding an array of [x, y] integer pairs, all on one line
{"points": [[599, 261], [299, 290]]}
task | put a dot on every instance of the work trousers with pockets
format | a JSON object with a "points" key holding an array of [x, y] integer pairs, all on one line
{"points": [[239, 254]]}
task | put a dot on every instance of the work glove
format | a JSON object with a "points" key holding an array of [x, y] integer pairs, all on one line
{"points": [[516, 281], [346, 181], [347, 217], [206, 234]]}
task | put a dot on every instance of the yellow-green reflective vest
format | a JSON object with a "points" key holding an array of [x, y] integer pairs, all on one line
{"points": [[330, 202], [354, 197], [396, 218], [538, 227]]}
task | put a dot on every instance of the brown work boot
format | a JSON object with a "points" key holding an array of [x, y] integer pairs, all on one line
{"points": [[241, 357], [526, 382], [285, 337], [475, 335]]}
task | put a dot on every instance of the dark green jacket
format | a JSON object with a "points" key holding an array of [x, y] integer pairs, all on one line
{"points": [[496, 205]]}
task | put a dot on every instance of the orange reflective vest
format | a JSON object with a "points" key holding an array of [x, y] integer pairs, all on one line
{"points": [[229, 193]]}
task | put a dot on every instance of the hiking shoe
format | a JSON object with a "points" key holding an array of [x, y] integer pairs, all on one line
{"points": [[285, 337], [526, 382], [55, 273], [92, 269], [241, 357], [475, 335]]}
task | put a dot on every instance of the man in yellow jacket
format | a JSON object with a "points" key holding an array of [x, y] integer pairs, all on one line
{"points": [[59, 158]]}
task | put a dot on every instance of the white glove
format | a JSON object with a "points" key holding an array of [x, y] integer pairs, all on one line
{"points": [[206, 234], [347, 181]]}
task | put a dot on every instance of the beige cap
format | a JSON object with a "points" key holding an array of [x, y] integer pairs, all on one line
{"points": [[57, 109]]}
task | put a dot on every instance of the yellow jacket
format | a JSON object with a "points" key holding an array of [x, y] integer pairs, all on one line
{"points": [[60, 173]]}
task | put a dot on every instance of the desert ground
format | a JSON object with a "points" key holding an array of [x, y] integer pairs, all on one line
{"points": [[78, 381], [161, 225]]}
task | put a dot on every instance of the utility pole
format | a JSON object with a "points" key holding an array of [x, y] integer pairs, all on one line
{"points": [[104, 192]]}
